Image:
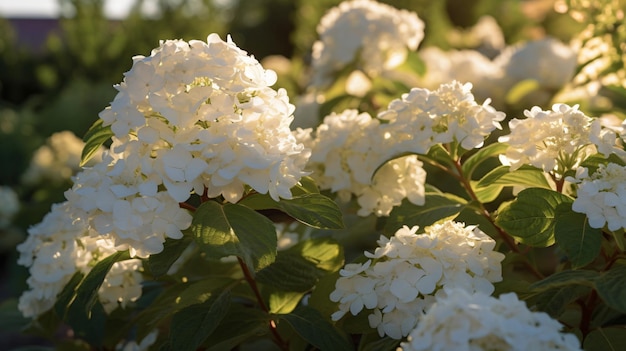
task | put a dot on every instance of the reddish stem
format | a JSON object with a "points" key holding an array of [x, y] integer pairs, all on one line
{"points": [[587, 308], [187, 206], [272, 324], [508, 240]]}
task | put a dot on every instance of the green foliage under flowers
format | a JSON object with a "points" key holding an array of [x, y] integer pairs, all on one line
{"points": [[225, 285]]}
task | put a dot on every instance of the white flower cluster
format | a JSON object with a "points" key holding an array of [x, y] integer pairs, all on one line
{"points": [[547, 62], [373, 35], [191, 116], [556, 140], [347, 150], [202, 115], [478, 322], [58, 160], [405, 274], [9, 205], [602, 196], [118, 201], [350, 150], [464, 66], [63, 244], [423, 118]]}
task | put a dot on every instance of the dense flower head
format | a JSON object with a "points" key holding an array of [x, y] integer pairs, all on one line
{"points": [[547, 61], [57, 160], [124, 205], [423, 118], [63, 244], [556, 140], [204, 115], [405, 274], [375, 36], [347, 157], [602, 196], [464, 66], [464, 321], [9, 205]]}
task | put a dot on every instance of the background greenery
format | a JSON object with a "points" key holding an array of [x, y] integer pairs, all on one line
{"points": [[64, 86]]}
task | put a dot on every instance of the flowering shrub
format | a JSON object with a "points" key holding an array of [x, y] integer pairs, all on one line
{"points": [[209, 223], [464, 321], [407, 272]]}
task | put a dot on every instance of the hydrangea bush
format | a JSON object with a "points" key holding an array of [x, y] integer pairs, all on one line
{"points": [[414, 215]]}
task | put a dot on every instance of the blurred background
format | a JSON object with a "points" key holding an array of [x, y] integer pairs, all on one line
{"points": [[59, 60]]}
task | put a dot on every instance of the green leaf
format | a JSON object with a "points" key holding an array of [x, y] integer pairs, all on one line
{"points": [[503, 176], [520, 90], [606, 339], [554, 301], [316, 330], [81, 292], [320, 297], [489, 186], [594, 161], [95, 137], [436, 207], [300, 267], [486, 194], [87, 291], [240, 324], [175, 298], [471, 163], [160, 263], [306, 186], [67, 295], [290, 272], [575, 237], [233, 229], [530, 218], [440, 155], [611, 286], [314, 210], [193, 324], [373, 342], [325, 253], [566, 278], [281, 302], [78, 303]]}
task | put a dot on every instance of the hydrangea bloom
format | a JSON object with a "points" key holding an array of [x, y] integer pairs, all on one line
{"points": [[376, 36], [401, 279], [204, 115], [556, 140], [126, 206], [422, 118], [58, 160], [9, 205], [464, 66], [347, 150], [464, 321], [602, 196], [548, 61], [63, 244]]}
